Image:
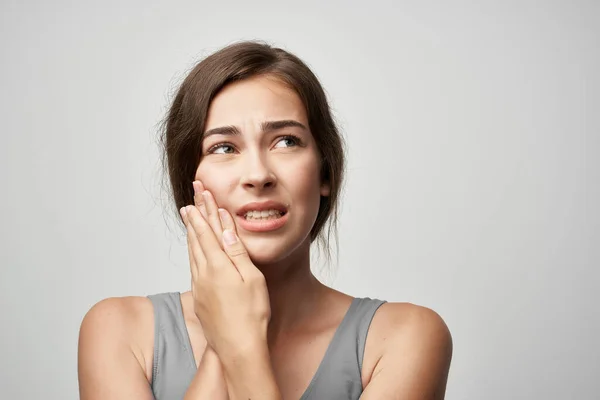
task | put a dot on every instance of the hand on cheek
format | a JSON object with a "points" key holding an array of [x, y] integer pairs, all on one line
{"points": [[230, 294], [206, 204]]}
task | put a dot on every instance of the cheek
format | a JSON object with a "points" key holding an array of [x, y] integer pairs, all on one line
{"points": [[215, 181], [304, 180]]}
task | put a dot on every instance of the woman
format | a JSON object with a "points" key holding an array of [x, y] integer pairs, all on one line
{"points": [[255, 163]]}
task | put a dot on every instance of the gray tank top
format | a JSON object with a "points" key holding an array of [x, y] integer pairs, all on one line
{"points": [[338, 377]]}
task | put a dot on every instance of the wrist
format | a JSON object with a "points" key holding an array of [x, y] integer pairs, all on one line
{"points": [[242, 352], [249, 373]]}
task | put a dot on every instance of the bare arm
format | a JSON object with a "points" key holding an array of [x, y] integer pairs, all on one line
{"points": [[209, 381], [416, 362], [108, 366], [249, 374]]}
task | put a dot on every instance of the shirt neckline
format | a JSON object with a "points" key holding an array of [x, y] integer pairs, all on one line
{"points": [[330, 346]]}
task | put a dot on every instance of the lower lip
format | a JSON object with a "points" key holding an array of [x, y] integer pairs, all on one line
{"points": [[257, 225]]}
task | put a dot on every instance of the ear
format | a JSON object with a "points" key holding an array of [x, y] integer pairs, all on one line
{"points": [[325, 189]]}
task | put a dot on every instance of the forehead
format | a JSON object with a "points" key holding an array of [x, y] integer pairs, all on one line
{"points": [[253, 101]]}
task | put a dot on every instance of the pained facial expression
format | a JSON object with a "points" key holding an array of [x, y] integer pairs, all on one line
{"points": [[258, 148]]}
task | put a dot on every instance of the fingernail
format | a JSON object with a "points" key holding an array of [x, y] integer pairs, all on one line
{"points": [[196, 188], [183, 212], [229, 237]]}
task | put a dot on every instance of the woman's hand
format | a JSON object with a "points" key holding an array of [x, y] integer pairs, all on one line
{"points": [[230, 294]]}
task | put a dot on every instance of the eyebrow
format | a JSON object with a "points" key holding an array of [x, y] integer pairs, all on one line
{"points": [[267, 126]]}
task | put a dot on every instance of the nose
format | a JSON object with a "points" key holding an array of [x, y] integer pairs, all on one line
{"points": [[257, 174]]}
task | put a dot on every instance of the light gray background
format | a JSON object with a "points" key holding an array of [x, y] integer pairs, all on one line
{"points": [[473, 182]]}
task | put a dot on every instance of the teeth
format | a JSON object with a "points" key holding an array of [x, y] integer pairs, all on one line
{"points": [[265, 214]]}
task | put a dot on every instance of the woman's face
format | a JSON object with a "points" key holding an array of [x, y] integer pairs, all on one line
{"points": [[257, 149]]}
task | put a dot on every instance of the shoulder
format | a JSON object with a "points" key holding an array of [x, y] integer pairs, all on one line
{"points": [[119, 325], [118, 308], [407, 322], [117, 315], [411, 342]]}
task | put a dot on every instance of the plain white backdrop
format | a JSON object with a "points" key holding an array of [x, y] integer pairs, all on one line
{"points": [[473, 177]]}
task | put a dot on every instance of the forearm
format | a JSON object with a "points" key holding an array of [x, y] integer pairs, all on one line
{"points": [[209, 381], [249, 374]]}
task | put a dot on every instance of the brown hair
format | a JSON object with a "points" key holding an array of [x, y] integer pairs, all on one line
{"points": [[183, 128]]}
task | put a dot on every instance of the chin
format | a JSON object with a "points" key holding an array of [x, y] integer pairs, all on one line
{"points": [[264, 255], [264, 251]]}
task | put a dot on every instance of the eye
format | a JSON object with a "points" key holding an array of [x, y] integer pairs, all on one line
{"points": [[290, 140], [228, 148], [221, 148]]}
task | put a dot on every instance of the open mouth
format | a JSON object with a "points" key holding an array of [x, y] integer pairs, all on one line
{"points": [[253, 221], [264, 215]]}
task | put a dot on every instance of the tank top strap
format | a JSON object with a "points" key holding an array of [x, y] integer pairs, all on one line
{"points": [[337, 377], [364, 315], [173, 366], [339, 374]]}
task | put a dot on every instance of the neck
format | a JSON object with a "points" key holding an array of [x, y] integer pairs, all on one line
{"points": [[294, 292]]}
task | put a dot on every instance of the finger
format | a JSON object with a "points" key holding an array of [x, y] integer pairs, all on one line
{"points": [[206, 241], [226, 223], [193, 264], [226, 220], [234, 247], [197, 258], [198, 199], [213, 214]]}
